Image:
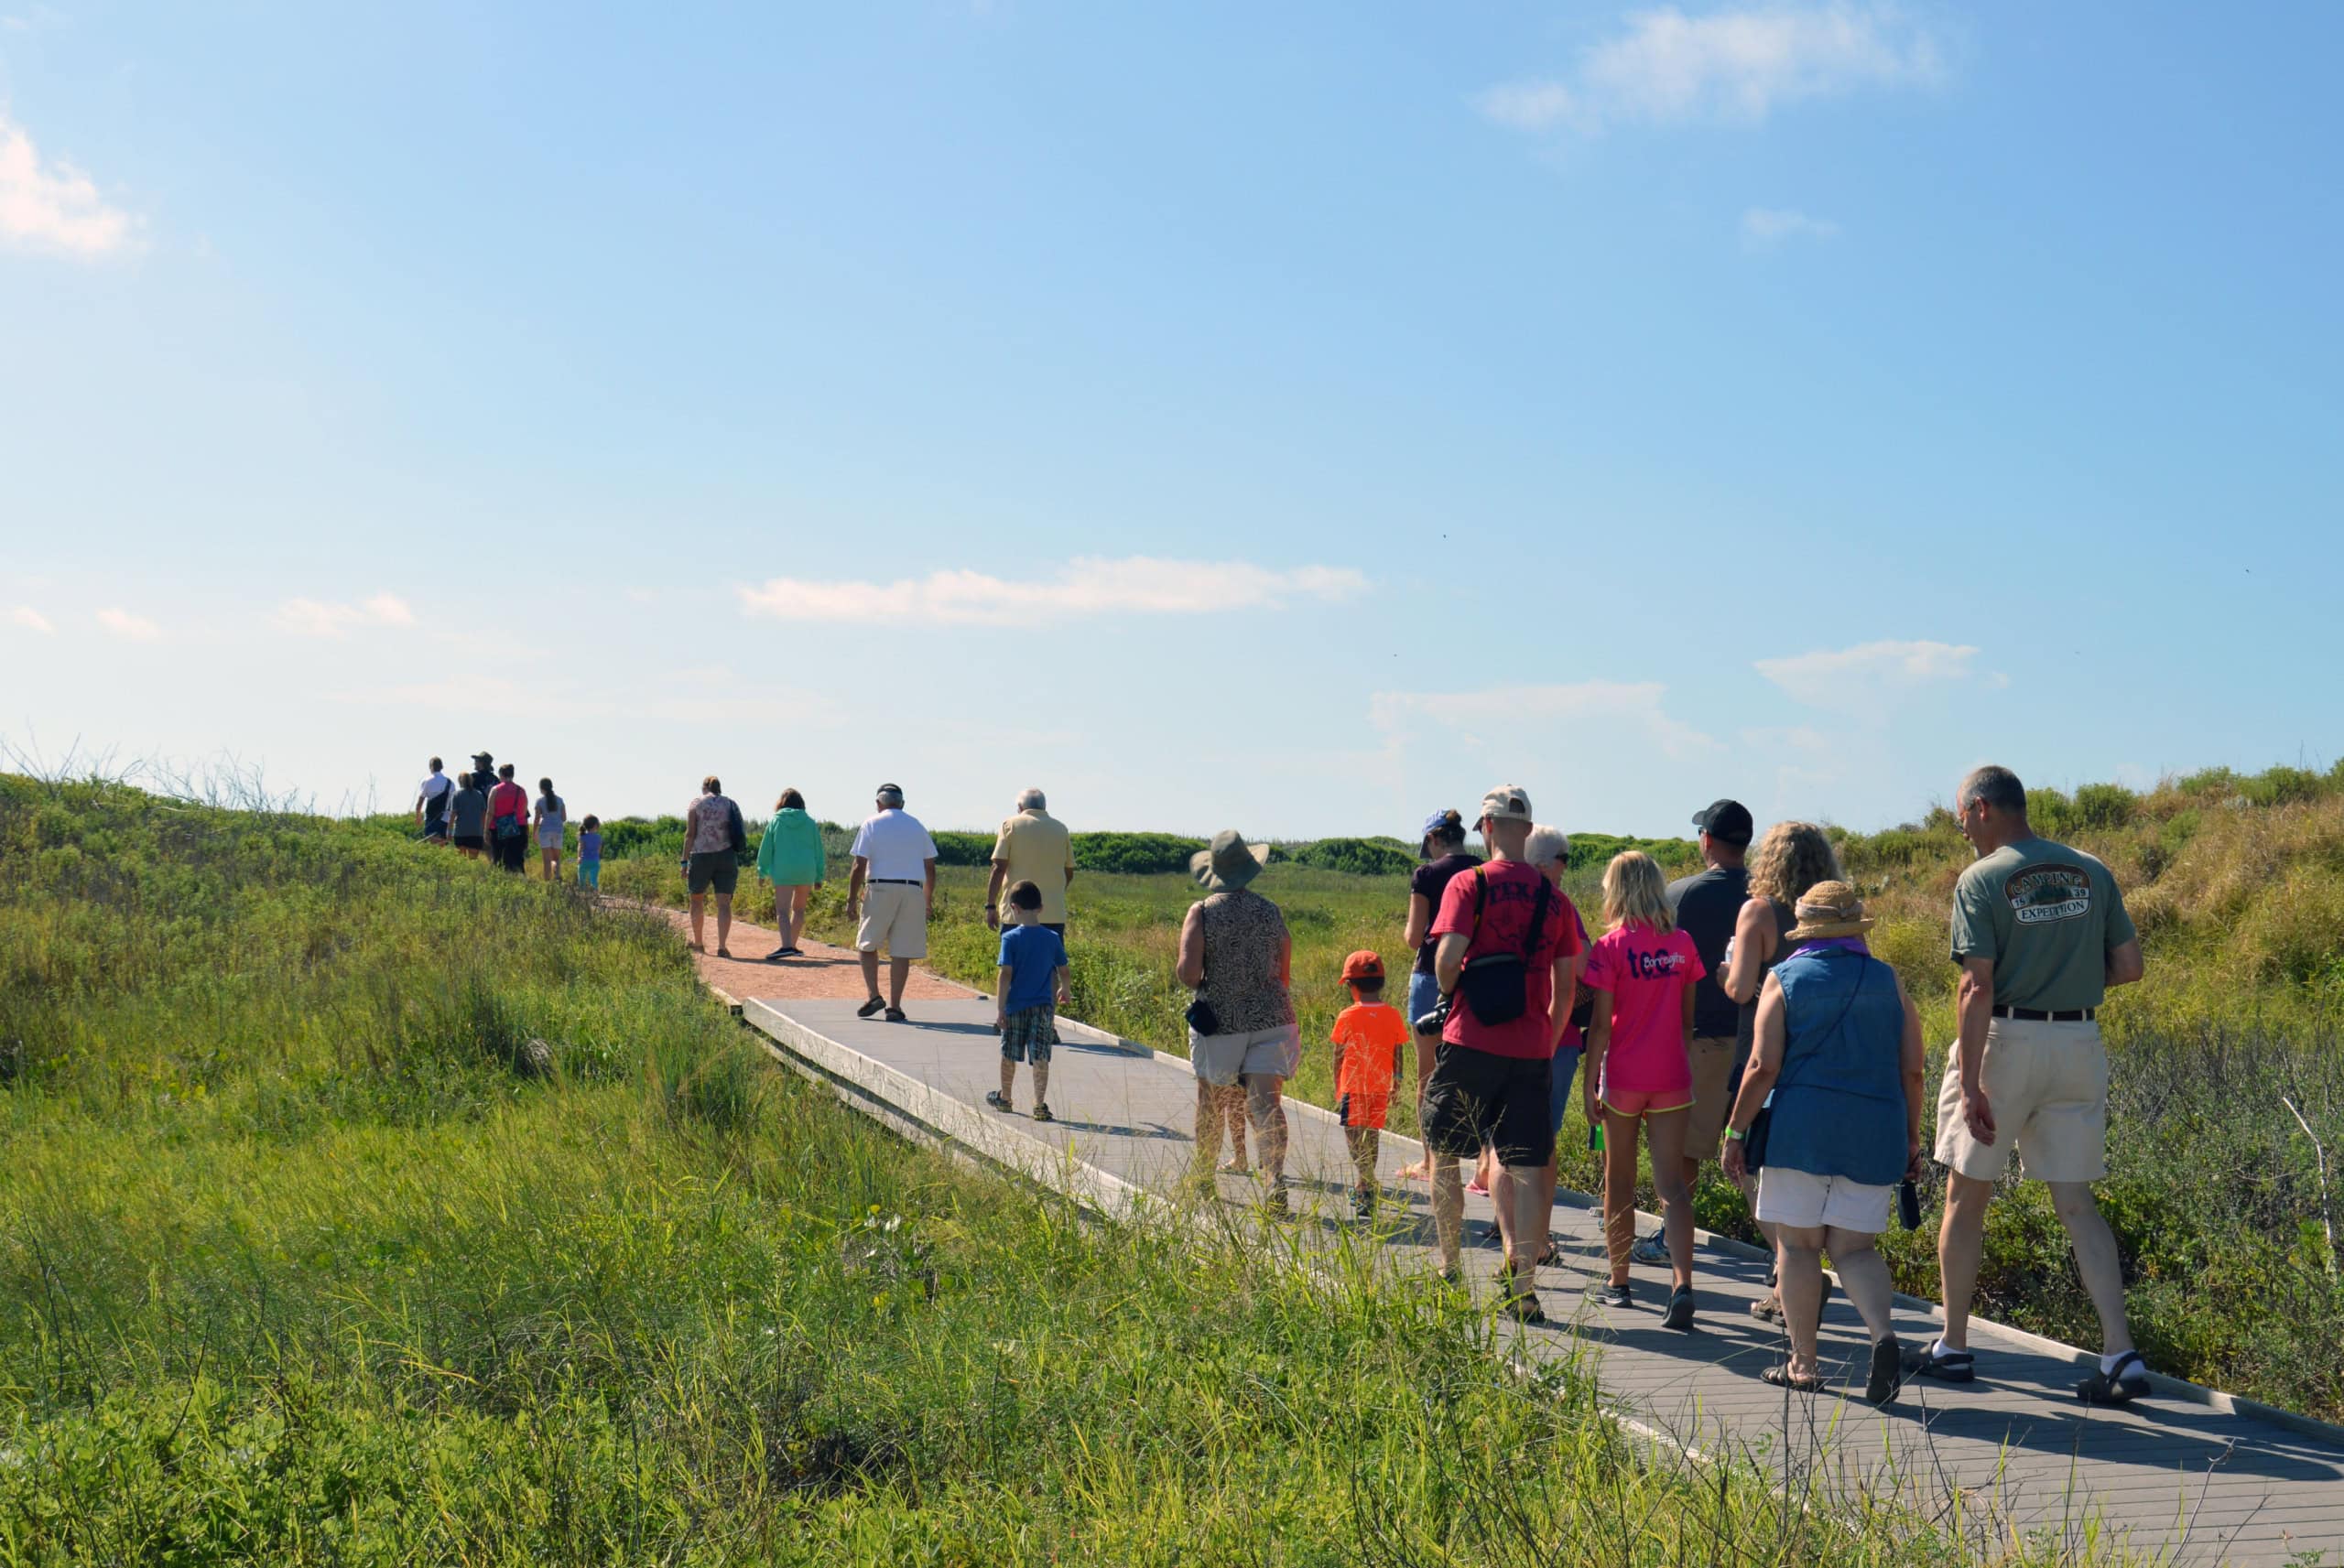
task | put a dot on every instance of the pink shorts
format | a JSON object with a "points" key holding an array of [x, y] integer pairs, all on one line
{"points": [[1640, 1102]]}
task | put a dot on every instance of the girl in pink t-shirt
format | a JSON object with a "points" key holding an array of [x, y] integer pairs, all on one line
{"points": [[1639, 1066]]}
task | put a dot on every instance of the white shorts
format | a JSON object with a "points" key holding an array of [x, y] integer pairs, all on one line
{"points": [[2047, 1086], [1223, 1059], [1805, 1201], [894, 916]]}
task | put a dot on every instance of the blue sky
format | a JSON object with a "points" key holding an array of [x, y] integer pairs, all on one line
{"points": [[1294, 418]]}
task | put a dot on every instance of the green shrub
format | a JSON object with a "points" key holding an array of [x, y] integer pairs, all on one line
{"points": [[958, 848], [2102, 807], [2282, 786], [1134, 854], [1358, 857]]}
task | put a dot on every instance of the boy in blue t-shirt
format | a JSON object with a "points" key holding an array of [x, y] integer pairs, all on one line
{"points": [[1032, 979]]}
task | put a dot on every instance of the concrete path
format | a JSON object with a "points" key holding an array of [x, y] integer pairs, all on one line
{"points": [[824, 972], [2193, 1475]]}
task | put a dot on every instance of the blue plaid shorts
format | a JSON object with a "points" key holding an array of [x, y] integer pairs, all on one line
{"points": [[1027, 1034]]}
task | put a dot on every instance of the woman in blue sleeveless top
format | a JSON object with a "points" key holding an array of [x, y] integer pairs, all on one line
{"points": [[1838, 1051]]}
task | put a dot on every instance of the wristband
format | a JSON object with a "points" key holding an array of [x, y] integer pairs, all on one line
{"points": [[1735, 1134]]}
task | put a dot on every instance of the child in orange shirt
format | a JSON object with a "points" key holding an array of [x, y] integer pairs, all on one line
{"points": [[1368, 1038]]}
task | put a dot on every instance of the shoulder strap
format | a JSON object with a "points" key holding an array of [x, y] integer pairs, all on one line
{"points": [[1545, 899]]}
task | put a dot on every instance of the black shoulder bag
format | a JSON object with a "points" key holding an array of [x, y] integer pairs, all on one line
{"points": [[1496, 986]]}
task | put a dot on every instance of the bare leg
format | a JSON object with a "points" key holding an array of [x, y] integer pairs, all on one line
{"points": [[1042, 1082], [1666, 1132], [1799, 1274], [795, 926], [700, 902], [1210, 1123], [1008, 1078], [1620, 1189], [898, 971], [1363, 1142], [1426, 1044], [1265, 1094], [1961, 1238], [2096, 1260], [1499, 1179], [1233, 1112], [1532, 1210], [871, 976], [724, 921], [1447, 1207], [1863, 1274]]}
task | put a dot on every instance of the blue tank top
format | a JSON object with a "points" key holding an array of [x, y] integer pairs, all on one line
{"points": [[1840, 1100]]}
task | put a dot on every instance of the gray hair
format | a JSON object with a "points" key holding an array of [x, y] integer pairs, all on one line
{"points": [[1548, 847], [1032, 800], [1997, 787]]}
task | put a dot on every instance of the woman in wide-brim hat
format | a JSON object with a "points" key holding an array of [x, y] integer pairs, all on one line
{"points": [[1838, 1052], [1236, 953]]}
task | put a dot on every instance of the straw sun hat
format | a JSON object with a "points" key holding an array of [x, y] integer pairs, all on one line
{"points": [[1830, 909]]}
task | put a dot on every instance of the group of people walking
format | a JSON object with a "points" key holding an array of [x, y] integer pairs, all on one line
{"points": [[1735, 1015], [484, 812]]}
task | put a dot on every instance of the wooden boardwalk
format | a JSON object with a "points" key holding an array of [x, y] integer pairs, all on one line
{"points": [[2192, 1475]]}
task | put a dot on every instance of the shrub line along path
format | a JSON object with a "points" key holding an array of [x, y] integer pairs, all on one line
{"points": [[2013, 1453]]}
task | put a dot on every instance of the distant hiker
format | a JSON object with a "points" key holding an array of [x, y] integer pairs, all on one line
{"points": [[431, 804], [1237, 956], [893, 887], [1640, 1067], [590, 851], [2041, 933], [1839, 1053], [1549, 850], [1029, 987], [1706, 906], [1369, 1037], [1032, 847], [1792, 858], [1507, 935], [715, 836], [789, 856], [468, 816], [509, 822], [551, 816], [1441, 849]]}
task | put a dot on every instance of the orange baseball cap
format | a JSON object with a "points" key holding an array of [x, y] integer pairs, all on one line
{"points": [[1362, 966]]}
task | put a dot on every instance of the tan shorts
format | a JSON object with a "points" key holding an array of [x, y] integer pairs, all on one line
{"points": [[894, 916], [1713, 1065], [2047, 1086]]}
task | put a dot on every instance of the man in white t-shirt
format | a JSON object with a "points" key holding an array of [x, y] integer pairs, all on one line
{"points": [[889, 894], [431, 804]]}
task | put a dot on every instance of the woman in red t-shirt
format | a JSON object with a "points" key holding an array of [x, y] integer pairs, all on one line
{"points": [[508, 821], [1639, 1065]]}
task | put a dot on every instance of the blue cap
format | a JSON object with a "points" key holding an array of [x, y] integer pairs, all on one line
{"points": [[1434, 823]]}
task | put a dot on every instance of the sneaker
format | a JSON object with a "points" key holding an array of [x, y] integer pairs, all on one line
{"points": [[998, 1101], [1042, 1113], [1652, 1249], [1612, 1295], [1680, 1307], [1363, 1205], [777, 953], [871, 1008]]}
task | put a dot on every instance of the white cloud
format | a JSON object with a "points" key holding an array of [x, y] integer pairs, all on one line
{"points": [[54, 206], [311, 618], [1138, 585], [31, 620], [1734, 65], [1494, 716], [1763, 228], [1841, 677], [123, 623]]}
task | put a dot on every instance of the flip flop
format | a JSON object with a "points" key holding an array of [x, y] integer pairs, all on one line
{"points": [[2115, 1386], [1780, 1377]]}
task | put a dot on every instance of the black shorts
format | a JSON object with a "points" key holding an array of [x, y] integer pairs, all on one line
{"points": [[508, 850], [469, 842], [1475, 1099], [714, 869]]}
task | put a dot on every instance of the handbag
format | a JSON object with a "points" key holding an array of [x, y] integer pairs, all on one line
{"points": [[1496, 986], [737, 831], [1202, 1018]]}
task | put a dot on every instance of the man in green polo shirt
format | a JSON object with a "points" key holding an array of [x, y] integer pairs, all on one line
{"points": [[1032, 847], [2040, 933]]}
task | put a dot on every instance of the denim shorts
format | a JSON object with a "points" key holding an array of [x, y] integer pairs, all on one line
{"points": [[1424, 995], [1558, 1098]]}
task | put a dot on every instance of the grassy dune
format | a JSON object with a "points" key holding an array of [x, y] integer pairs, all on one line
{"points": [[365, 1205]]}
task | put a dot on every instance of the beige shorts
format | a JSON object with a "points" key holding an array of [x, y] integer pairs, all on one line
{"points": [[894, 916], [1805, 1201], [1713, 1065], [2047, 1086]]}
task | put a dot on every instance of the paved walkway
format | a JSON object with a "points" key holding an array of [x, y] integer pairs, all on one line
{"points": [[2189, 1473], [824, 972]]}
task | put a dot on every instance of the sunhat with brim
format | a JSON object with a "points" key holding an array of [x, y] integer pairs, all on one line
{"points": [[1830, 909], [1229, 863]]}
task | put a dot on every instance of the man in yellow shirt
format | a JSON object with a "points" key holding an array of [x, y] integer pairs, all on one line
{"points": [[1033, 847]]}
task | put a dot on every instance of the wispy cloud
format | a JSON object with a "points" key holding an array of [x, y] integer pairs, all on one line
{"points": [[312, 618], [1732, 65], [1838, 677], [55, 207], [1763, 228], [123, 623], [1496, 716], [1137, 585], [31, 620]]}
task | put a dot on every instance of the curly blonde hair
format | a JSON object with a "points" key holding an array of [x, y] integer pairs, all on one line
{"points": [[1792, 858], [1635, 892]]}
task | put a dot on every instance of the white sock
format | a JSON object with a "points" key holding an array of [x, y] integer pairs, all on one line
{"points": [[2108, 1362], [1942, 1348]]}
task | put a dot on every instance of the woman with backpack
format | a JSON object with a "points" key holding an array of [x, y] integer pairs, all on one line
{"points": [[713, 837], [509, 822]]}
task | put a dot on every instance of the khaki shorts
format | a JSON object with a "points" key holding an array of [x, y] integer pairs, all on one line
{"points": [[2047, 1086], [1712, 1067], [894, 916]]}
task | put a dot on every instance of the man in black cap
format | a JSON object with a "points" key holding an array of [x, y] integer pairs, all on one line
{"points": [[1707, 905]]}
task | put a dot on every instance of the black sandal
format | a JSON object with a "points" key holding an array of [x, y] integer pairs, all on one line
{"points": [[2115, 1386], [896, 1015], [1042, 1113], [1887, 1374], [1781, 1377], [1952, 1367], [870, 1009], [998, 1101]]}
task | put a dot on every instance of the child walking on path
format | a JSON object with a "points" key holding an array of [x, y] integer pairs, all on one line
{"points": [[1640, 1066], [590, 851], [1030, 984], [1368, 1038]]}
